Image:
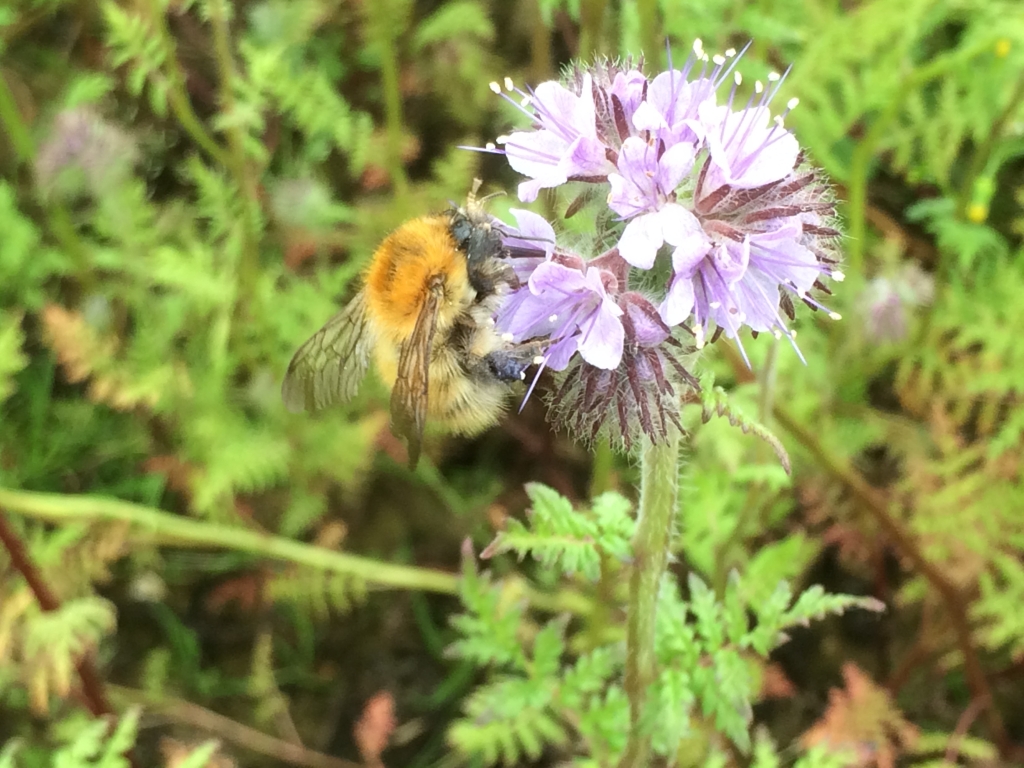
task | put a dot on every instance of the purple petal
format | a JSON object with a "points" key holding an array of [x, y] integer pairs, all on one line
{"points": [[528, 190], [633, 187], [756, 299], [623, 198], [602, 336], [524, 266], [678, 101], [565, 113], [629, 88], [557, 279], [675, 164], [779, 254], [745, 153], [679, 225], [648, 118], [649, 329], [772, 162], [690, 252], [536, 154], [678, 303], [731, 259], [560, 353], [586, 157], [532, 232]]}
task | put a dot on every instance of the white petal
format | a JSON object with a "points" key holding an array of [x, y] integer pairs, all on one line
{"points": [[641, 240]]}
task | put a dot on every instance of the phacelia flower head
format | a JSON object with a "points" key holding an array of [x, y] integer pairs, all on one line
{"points": [[716, 191], [888, 302], [84, 153]]}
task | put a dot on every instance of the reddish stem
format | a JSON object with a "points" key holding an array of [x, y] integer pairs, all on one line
{"points": [[92, 685], [877, 504]]}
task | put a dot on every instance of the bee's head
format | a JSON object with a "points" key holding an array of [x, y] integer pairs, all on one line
{"points": [[473, 228]]}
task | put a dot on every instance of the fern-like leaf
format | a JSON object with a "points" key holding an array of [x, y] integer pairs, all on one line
{"points": [[716, 403]]}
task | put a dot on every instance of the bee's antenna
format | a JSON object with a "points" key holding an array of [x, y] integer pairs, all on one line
{"points": [[473, 203], [499, 193], [471, 197]]}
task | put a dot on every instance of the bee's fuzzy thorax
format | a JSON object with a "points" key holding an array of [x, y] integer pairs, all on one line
{"points": [[402, 268]]}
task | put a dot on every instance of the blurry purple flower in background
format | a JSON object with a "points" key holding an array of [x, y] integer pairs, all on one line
{"points": [[721, 190], [84, 153], [888, 302]]}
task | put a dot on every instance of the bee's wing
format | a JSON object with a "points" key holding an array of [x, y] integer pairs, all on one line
{"points": [[330, 366], [409, 396]]}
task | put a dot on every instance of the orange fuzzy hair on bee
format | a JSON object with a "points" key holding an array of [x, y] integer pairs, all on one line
{"points": [[401, 270]]}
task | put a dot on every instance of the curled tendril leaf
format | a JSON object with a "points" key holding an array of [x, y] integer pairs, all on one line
{"points": [[715, 402]]}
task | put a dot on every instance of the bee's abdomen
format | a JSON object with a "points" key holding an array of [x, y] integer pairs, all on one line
{"points": [[466, 395]]}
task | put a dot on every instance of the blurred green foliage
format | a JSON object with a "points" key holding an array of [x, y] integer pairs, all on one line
{"points": [[189, 188]]}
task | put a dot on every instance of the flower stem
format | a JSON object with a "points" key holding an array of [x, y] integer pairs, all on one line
{"points": [[659, 490], [168, 528], [177, 91]]}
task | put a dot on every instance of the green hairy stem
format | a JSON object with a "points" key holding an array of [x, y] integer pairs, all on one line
{"points": [[659, 490]]}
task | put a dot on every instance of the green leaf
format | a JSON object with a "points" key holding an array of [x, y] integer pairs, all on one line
{"points": [[12, 359], [563, 538], [9, 752], [716, 403], [201, 755]]}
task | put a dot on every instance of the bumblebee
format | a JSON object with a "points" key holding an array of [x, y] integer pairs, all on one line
{"points": [[425, 315]]}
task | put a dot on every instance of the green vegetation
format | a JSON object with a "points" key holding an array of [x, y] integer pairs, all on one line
{"points": [[192, 576]]}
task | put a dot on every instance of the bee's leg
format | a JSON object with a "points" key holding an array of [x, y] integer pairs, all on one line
{"points": [[511, 364], [488, 276]]}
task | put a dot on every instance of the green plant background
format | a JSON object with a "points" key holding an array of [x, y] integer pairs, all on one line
{"points": [[188, 189]]}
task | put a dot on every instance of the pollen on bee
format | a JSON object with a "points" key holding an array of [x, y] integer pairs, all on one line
{"points": [[495, 87], [507, 337]]}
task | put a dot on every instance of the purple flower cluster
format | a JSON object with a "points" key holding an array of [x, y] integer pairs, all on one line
{"points": [[84, 153], [721, 190]]}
